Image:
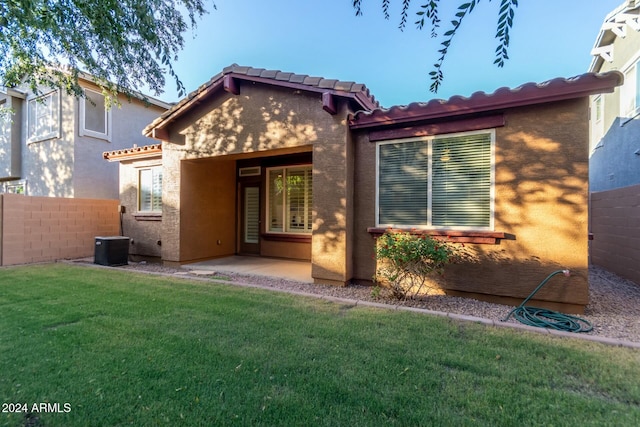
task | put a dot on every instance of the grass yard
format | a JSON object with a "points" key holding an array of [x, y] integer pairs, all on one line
{"points": [[103, 347]]}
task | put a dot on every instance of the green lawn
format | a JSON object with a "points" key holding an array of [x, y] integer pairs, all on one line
{"points": [[122, 348]]}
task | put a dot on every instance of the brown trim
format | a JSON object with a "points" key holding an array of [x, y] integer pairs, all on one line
{"points": [[528, 94], [293, 238], [231, 85], [463, 125], [147, 216], [328, 103], [479, 237]]}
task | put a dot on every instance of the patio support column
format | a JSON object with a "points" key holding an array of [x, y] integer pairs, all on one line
{"points": [[332, 207], [171, 204]]}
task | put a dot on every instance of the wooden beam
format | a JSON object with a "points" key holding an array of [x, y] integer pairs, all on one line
{"points": [[231, 85], [160, 133], [328, 103]]}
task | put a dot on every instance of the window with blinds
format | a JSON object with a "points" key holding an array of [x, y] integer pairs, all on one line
{"points": [[290, 198], [150, 189], [439, 182]]}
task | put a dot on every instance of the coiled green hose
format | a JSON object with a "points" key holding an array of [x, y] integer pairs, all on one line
{"points": [[544, 318]]}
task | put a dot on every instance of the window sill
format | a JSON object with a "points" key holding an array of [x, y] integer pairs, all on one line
{"points": [[36, 139], [147, 216], [457, 236], [287, 237]]}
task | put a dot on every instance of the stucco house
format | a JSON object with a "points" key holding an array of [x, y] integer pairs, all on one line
{"points": [[614, 170], [615, 124], [51, 143], [278, 164]]}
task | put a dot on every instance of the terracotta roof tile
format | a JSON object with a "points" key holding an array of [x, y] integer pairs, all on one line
{"points": [[356, 91], [503, 98], [134, 152]]}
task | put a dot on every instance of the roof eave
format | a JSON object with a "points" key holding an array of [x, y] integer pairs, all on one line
{"points": [[217, 83], [552, 91]]}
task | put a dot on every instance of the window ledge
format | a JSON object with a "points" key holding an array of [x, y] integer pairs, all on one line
{"points": [[287, 237], [457, 236], [147, 216]]}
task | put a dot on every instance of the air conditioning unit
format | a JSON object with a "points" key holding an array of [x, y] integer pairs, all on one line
{"points": [[111, 251]]}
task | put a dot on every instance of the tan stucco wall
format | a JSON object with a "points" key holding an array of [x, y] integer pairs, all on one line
{"points": [[540, 201], [264, 120], [208, 228], [144, 232]]}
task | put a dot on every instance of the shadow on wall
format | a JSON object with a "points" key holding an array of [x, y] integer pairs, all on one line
{"points": [[272, 122], [48, 164], [615, 160]]}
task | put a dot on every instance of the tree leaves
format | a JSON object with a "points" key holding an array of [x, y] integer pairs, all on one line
{"points": [[125, 45], [429, 12]]}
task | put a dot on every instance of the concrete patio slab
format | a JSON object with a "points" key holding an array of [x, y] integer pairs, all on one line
{"points": [[299, 271]]}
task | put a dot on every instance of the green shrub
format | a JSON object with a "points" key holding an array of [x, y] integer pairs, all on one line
{"points": [[405, 261]]}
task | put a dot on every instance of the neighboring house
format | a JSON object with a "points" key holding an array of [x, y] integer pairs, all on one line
{"points": [[614, 166], [51, 144], [615, 117], [267, 163]]}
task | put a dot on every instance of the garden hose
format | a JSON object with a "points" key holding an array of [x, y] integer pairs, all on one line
{"points": [[544, 318]]}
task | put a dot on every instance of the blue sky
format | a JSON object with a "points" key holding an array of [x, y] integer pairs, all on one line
{"points": [[551, 38]]}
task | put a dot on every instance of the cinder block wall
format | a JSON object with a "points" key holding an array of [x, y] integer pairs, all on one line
{"points": [[615, 226], [40, 229]]}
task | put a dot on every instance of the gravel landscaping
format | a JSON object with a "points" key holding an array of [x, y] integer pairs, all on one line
{"points": [[614, 310]]}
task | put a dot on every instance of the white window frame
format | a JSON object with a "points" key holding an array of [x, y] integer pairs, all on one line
{"points": [[428, 140], [597, 120], [307, 231], [82, 128], [54, 114], [153, 169], [15, 187], [629, 91]]}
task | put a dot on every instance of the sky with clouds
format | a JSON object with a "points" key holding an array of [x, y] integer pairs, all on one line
{"points": [[550, 38]]}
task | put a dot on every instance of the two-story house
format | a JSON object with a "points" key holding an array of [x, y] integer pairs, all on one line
{"points": [[51, 143], [615, 125], [614, 163]]}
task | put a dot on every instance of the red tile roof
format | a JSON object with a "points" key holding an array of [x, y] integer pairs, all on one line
{"points": [[133, 153], [356, 91], [457, 106]]}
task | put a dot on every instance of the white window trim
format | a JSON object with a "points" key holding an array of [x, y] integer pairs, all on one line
{"points": [[428, 140], [597, 125], [284, 217], [139, 188], [82, 130], [54, 135], [7, 185]]}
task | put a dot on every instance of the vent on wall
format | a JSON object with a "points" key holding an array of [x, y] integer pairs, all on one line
{"points": [[252, 171]]}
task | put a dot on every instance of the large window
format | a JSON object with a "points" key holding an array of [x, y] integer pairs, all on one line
{"points": [[289, 199], [43, 117], [440, 182], [95, 118], [630, 91], [150, 189]]}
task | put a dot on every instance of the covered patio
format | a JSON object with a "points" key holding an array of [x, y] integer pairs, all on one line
{"points": [[299, 271]]}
